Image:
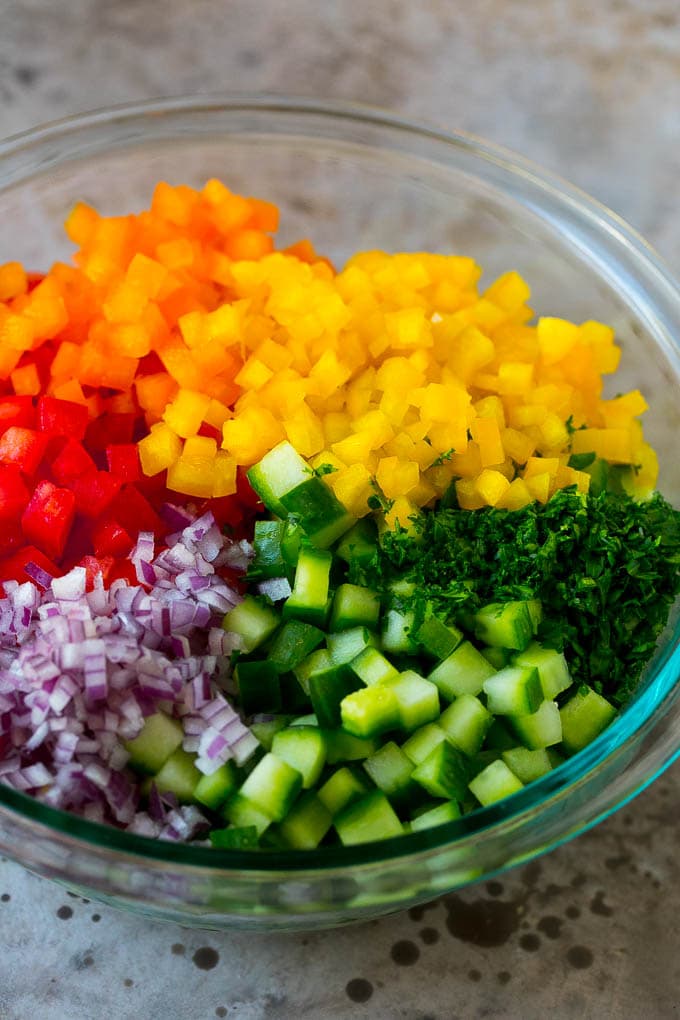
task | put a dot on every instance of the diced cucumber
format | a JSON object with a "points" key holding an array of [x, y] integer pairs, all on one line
{"points": [[243, 813], [542, 728], [390, 769], [272, 787], [304, 749], [422, 741], [437, 638], [370, 711], [159, 737], [291, 543], [494, 783], [368, 819], [344, 746], [265, 729], [279, 472], [372, 667], [354, 606], [483, 758], [253, 621], [396, 633], [536, 613], [308, 600], [293, 643], [341, 789], [215, 789], [258, 685], [499, 736], [553, 671], [327, 690], [504, 625], [449, 811], [294, 698], [526, 764], [316, 662], [242, 837], [498, 657], [417, 700], [444, 773], [305, 720], [179, 775], [584, 717], [306, 823], [358, 545], [322, 517], [268, 561], [465, 722], [515, 690], [462, 672], [347, 644]]}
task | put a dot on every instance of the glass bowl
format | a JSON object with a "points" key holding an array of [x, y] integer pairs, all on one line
{"points": [[354, 178]]}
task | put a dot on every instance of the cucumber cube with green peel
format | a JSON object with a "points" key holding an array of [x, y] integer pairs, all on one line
{"points": [[527, 764], [341, 789], [293, 643], [268, 561], [390, 769], [437, 638], [584, 717], [253, 621], [497, 657], [370, 711], [159, 737], [243, 837], [438, 815], [306, 823], [328, 689], [272, 787], [242, 813], [280, 471], [345, 645], [304, 748], [514, 690], [494, 783], [316, 662], [308, 600], [321, 515], [444, 773], [422, 741], [466, 722], [354, 606], [543, 728], [344, 746], [462, 672], [553, 671], [358, 545], [505, 625], [397, 637], [372, 667], [371, 818], [179, 775], [215, 789], [417, 700]]}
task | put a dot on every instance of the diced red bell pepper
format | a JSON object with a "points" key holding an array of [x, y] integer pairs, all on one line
{"points": [[96, 567], [134, 512], [71, 462], [47, 519], [14, 495], [123, 461], [11, 537], [23, 447], [110, 428], [95, 491], [110, 539], [13, 567], [245, 493], [122, 569], [16, 411], [63, 417]]}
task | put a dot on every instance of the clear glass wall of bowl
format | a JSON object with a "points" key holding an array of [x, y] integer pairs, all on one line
{"points": [[356, 179]]}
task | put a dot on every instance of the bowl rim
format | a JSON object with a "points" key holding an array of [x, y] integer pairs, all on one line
{"points": [[494, 819]]}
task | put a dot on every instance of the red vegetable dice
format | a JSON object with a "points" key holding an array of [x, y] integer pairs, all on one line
{"points": [[13, 568], [110, 428], [11, 537], [134, 512], [16, 411], [63, 417], [123, 461], [23, 447], [48, 518], [14, 495], [94, 492], [72, 461], [110, 539], [96, 568]]}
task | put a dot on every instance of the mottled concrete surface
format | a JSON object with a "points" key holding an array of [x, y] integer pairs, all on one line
{"points": [[592, 91]]}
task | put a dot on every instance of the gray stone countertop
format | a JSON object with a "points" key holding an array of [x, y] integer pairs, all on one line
{"points": [[591, 91]]}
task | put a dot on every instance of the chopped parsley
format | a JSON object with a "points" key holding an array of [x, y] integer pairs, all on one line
{"points": [[606, 569]]}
